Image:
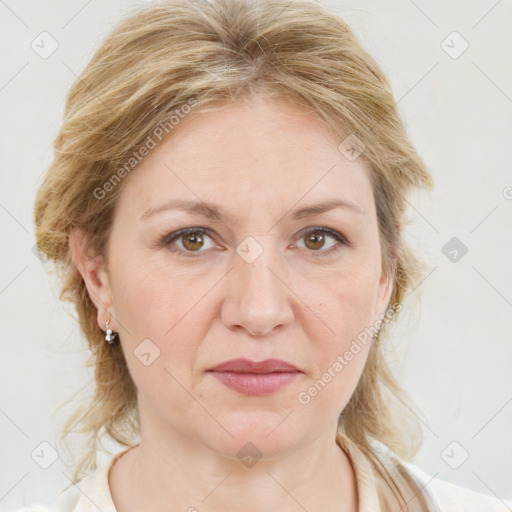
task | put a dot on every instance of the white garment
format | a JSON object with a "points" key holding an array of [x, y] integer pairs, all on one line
{"points": [[92, 493]]}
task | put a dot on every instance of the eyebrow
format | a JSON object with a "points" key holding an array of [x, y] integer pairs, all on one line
{"points": [[211, 210]]}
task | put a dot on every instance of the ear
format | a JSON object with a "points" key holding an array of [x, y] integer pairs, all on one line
{"points": [[92, 269], [385, 287]]}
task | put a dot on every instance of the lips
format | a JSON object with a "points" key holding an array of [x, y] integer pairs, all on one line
{"points": [[256, 378], [260, 367]]}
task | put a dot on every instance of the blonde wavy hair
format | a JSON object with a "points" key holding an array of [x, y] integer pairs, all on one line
{"points": [[157, 60]]}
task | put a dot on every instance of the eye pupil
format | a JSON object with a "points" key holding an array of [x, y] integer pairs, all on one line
{"points": [[194, 239], [316, 239]]}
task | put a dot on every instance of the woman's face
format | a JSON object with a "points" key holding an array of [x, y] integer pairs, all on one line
{"points": [[251, 283]]}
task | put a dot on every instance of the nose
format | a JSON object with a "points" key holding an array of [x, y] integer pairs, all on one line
{"points": [[258, 299]]}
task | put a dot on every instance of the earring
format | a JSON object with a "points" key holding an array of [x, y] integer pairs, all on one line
{"points": [[110, 335]]}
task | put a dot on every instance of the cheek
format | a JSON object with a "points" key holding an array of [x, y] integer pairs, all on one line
{"points": [[345, 309], [346, 303], [162, 332], [161, 326], [340, 358], [151, 297]]}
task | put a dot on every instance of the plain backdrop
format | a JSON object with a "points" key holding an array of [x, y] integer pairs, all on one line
{"points": [[455, 352]]}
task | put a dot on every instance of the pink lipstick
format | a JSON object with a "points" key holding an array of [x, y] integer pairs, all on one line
{"points": [[255, 378]]}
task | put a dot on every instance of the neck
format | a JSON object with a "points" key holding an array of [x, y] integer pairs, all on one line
{"points": [[174, 472]]}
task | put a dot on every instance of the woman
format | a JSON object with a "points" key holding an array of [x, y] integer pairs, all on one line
{"points": [[226, 204]]}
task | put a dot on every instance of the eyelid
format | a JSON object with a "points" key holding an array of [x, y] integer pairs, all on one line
{"points": [[332, 232], [168, 239]]}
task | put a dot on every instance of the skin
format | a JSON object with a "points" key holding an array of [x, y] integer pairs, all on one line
{"points": [[260, 161]]}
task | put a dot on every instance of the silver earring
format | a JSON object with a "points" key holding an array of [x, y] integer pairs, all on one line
{"points": [[110, 335]]}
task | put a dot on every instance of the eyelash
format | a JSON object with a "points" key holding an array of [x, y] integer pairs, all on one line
{"points": [[167, 240]]}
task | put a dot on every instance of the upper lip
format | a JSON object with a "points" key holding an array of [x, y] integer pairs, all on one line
{"points": [[247, 366]]}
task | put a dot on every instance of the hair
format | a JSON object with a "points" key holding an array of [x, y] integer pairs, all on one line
{"points": [[153, 65]]}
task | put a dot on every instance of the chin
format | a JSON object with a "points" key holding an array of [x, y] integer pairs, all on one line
{"points": [[256, 435]]}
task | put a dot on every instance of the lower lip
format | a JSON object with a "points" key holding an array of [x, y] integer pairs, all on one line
{"points": [[256, 384]]}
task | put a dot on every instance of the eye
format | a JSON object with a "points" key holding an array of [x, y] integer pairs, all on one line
{"points": [[315, 240], [192, 241]]}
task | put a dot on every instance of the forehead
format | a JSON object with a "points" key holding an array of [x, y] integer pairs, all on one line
{"points": [[249, 154]]}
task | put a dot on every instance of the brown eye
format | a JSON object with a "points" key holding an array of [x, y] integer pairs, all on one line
{"points": [[188, 241], [315, 239], [193, 241]]}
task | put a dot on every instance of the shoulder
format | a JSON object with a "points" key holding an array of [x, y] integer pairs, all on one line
{"points": [[90, 494], [66, 501], [454, 498], [443, 496]]}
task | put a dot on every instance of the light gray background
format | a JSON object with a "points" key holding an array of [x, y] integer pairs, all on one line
{"points": [[454, 358]]}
